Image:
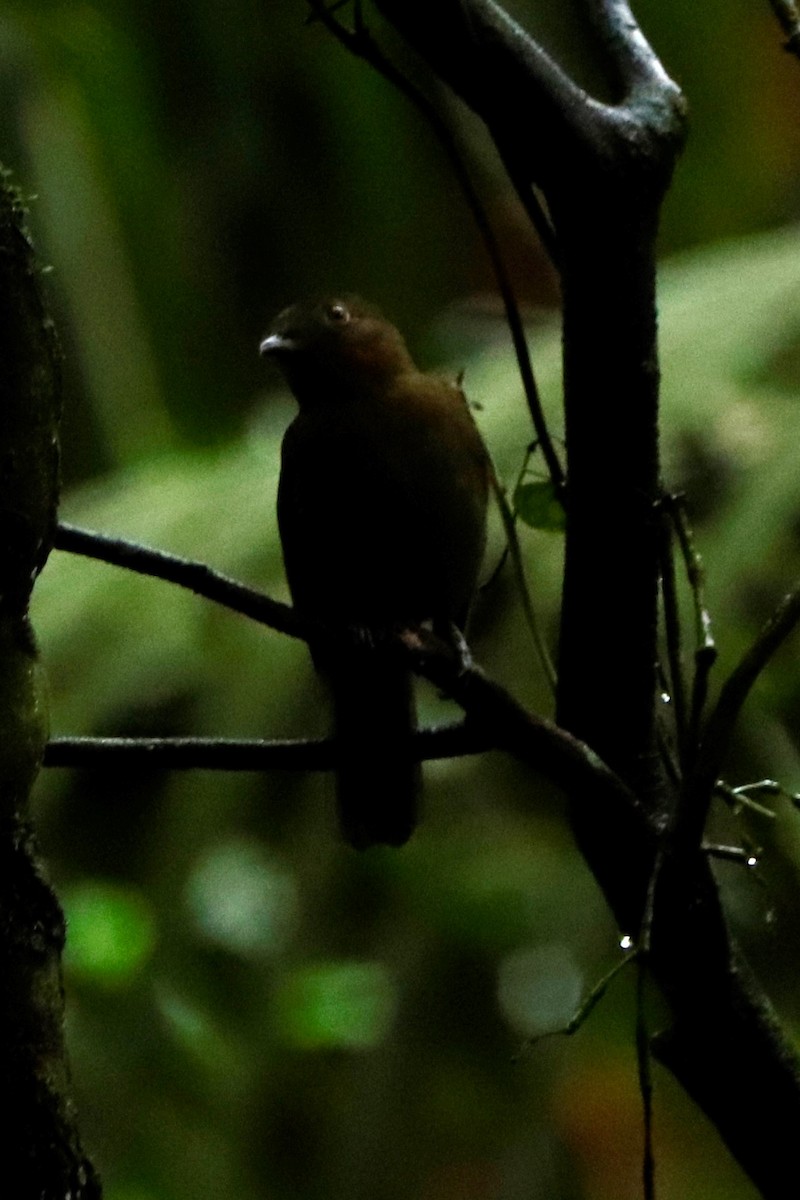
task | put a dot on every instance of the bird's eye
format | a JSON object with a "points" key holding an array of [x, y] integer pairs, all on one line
{"points": [[339, 314]]}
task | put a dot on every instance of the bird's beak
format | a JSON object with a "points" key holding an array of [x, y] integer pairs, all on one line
{"points": [[276, 343]]}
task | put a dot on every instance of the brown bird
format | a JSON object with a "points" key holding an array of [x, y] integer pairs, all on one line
{"points": [[382, 514]]}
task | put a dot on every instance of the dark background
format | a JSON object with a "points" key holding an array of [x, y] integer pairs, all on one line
{"points": [[254, 1010]]}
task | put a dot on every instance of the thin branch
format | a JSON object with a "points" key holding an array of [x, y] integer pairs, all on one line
{"points": [[213, 585], [584, 1009], [526, 193], [237, 754], [512, 542], [735, 854], [722, 720], [504, 723], [695, 570], [789, 20], [492, 61], [738, 798], [496, 720], [360, 43], [533, 205], [186, 573], [672, 626], [705, 654], [552, 751], [190, 754]]}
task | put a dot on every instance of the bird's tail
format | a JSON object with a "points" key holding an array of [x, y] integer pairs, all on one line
{"points": [[377, 781]]}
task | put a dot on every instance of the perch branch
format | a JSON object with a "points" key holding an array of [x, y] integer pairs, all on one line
{"points": [[186, 573], [236, 754]]}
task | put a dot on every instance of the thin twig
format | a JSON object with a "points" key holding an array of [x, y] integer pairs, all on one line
{"points": [[512, 541], [734, 854], [186, 573], [672, 625], [534, 206], [526, 193], [360, 42], [738, 798], [695, 570], [190, 753], [584, 1009], [722, 720], [705, 654]]}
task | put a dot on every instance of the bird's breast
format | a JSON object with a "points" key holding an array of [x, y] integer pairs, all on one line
{"points": [[382, 513]]}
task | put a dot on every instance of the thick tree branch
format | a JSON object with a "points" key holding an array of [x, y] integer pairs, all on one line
{"points": [[604, 169], [630, 59], [725, 1045], [42, 1155], [498, 69], [502, 72]]}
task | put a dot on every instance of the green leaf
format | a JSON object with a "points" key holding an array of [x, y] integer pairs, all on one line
{"points": [[537, 506]]}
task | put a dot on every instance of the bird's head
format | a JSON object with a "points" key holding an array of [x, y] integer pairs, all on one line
{"points": [[335, 344]]}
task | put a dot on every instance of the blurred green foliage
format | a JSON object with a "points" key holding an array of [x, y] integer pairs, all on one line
{"points": [[255, 1011], [111, 932]]}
